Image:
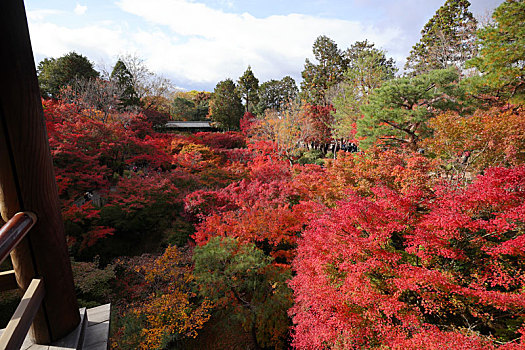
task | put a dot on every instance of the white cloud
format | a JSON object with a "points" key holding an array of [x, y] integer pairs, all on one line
{"points": [[220, 44], [227, 3], [80, 9], [196, 45], [94, 41], [40, 15]]}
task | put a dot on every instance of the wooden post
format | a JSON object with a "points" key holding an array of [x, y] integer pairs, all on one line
{"points": [[27, 180]]}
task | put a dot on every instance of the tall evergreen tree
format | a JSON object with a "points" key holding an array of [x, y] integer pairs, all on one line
{"points": [[226, 109], [276, 94], [501, 57], [318, 78], [124, 80], [55, 73], [368, 68], [248, 86], [448, 39]]}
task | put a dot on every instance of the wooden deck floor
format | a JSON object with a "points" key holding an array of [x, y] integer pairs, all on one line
{"points": [[97, 331], [92, 333]]}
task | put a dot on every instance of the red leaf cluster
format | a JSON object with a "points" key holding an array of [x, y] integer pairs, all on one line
{"points": [[373, 272]]}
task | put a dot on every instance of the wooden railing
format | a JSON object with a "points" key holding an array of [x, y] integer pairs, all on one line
{"points": [[16, 331], [14, 231]]}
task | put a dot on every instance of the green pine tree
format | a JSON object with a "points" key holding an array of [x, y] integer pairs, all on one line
{"points": [[248, 86], [448, 39], [124, 80], [240, 279], [276, 94], [501, 58], [368, 68], [319, 78], [226, 109], [398, 111]]}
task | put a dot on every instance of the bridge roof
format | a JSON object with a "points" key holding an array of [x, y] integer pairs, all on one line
{"points": [[188, 124]]}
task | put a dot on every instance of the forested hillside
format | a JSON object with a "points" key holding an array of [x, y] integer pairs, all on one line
{"points": [[369, 209]]}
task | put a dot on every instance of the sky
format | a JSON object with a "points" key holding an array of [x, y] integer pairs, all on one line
{"points": [[197, 43]]}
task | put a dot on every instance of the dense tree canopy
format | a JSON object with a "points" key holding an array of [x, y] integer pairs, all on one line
{"points": [[319, 76], [182, 109], [226, 109], [190, 105], [398, 111], [501, 59], [286, 236], [372, 273], [238, 277], [55, 73], [124, 80], [475, 142], [276, 94], [248, 86], [368, 68], [448, 39], [168, 310]]}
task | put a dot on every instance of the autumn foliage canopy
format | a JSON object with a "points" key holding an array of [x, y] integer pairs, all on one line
{"points": [[402, 228]]}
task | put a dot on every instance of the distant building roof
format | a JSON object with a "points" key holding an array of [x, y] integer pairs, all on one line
{"points": [[189, 125]]}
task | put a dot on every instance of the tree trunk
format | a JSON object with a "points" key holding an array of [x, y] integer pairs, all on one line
{"points": [[254, 338]]}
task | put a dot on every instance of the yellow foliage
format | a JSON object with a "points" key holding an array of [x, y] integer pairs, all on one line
{"points": [[486, 138], [169, 314], [169, 311]]}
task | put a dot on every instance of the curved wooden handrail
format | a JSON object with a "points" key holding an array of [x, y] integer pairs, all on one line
{"points": [[10, 236], [14, 231]]}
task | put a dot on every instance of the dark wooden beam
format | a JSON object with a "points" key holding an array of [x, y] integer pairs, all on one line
{"points": [[27, 181], [8, 281]]}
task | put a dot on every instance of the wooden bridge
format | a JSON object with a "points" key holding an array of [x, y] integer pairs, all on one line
{"points": [[32, 230]]}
